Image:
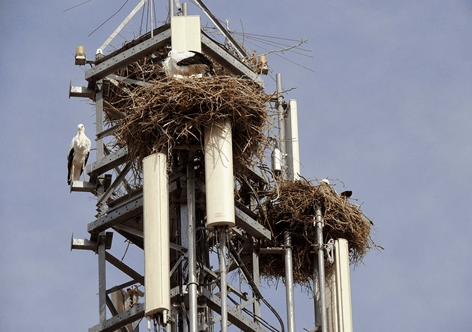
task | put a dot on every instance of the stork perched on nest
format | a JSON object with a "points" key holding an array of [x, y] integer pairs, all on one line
{"points": [[345, 194], [78, 154], [187, 64]]}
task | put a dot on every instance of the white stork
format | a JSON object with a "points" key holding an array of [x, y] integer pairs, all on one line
{"points": [[187, 64], [78, 154]]}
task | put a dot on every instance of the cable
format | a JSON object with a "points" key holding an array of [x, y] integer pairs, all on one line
{"points": [[108, 18], [253, 285]]}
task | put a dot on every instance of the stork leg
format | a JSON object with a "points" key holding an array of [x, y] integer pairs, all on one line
{"points": [[83, 170]]}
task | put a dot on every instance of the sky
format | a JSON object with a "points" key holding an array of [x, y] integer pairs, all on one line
{"points": [[384, 106]]}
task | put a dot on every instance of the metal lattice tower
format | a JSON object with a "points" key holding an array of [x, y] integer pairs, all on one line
{"points": [[200, 295]]}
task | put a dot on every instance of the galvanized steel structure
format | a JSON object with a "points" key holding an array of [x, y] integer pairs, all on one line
{"points": [[196, 305]]}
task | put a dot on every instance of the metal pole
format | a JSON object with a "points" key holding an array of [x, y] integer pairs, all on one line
{"points": [[192, 261], [281, 118], [99, 118], [151, 6], [223, 284], [102, 289], [184, 9], [171, 8], [101, 250], [289, 282], [321, 271], [256, 277]]}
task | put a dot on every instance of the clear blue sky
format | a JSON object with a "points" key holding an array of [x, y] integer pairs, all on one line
{"points": [[386, 108]]}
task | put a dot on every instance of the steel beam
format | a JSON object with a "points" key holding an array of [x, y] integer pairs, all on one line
{"points": [[234, 316], [227, 60], [117, 216], [122, 266], [109, 162], [83, 186], [250, 225], [126, 317], [128, 80], [81, 91], [123, 59]]}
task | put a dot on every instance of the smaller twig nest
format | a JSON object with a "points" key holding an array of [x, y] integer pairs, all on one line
{"points": [[174, 112], [291, 207]]}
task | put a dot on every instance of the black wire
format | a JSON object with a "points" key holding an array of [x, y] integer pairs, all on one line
{"points": [[254, 316], [253, 285], [108, 19]]}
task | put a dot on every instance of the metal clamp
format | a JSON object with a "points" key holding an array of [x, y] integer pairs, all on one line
{"points": [[329, 247]]}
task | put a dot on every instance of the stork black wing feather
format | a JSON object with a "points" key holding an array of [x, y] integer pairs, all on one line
{"points": [[70, 157], [197, 59]]}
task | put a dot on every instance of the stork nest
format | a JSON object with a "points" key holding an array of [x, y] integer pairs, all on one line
{"points": [[291, 207], [174, 112]]}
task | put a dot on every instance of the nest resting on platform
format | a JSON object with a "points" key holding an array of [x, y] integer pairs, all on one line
{"points": [[291, 207], [172, 112]]}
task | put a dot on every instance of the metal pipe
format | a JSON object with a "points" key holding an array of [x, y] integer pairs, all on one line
{"points": [[281, 118], [223, 284], [192, 256], [102, 289], [171, 8], [151, 6], [289, 282], [184, 9], [321, 271], [256, 277]]}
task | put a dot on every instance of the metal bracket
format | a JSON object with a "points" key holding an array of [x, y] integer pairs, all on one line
{"points": [[329, 247]]}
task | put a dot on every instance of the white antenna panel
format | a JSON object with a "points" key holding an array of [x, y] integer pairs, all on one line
{"points": [[156, 236], [292, 145], [219, 175]]}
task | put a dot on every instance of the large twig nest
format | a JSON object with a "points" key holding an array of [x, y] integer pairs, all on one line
{"points": [[291, 207], [173, 112]]}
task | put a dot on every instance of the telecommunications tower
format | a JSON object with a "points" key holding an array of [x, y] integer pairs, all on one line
{"points": [[194, 198]]}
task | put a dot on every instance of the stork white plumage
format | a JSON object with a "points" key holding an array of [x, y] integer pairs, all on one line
{"points": [[78, 155], [187, 64]]}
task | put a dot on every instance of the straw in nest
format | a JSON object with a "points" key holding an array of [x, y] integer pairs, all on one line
{"points": [[291, 207]]}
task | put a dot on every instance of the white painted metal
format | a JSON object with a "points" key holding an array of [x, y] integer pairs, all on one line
{"points": [[338, 291], [219, 175], [343, 286], [122, 25], [185, 33], [292, 145], [276, 160], [156, 236]]}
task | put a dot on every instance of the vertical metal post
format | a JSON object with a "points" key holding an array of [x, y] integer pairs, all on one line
{"points": [[321, 271], [223, 284], [316, 293], [102, 288], [281, 118], [171, 8], [256, 277], [184, 9], [151, 6], [101, 250], [99, 118], [192, 261], [289, 282]]}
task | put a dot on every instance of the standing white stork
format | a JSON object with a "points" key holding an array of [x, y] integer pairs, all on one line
{"points": [[187, 64], [78, 154]]}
